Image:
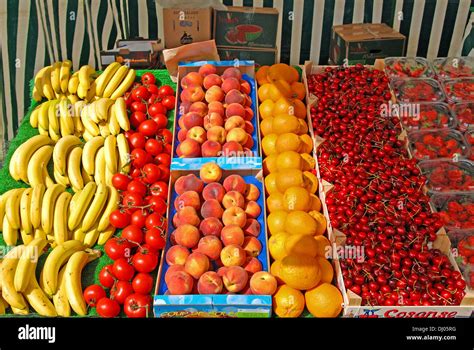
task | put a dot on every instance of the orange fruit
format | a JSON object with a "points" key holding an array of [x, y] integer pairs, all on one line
{"points": [[311, 181], [274, 270], [299, 109], [301, 245], [315, 203], [276, 221], [263, 92], [276, 245], [274, 93], [320, 220], [289, 160], [300, 271], [270, 164], [283, 87], [266, 109], [324, 301], [284, 123], [288, 302], [309, 163], [303, 127], [283, 106], [306, 144], [300, 222], [298, 90], [275, 201], [327, 271], [282, 71], [287, 178], [296, 198], [270, 183], [266, 126], [288, 142], [324, 246], [261, 75], [269, 144]]}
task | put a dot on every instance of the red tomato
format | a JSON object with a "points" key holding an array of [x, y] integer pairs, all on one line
{"points": [[148, 127], [167, 149], [118, 247], [120, 291], [153, 147], [164, 159], [165, 90], [123, 270], [165, 172], [158, 205], [161, 120], [148, 78], [136, 173], [152, 89], [145, 260], [133, 234], [169, 102], [128, 133], [108, 308], [137, 140], [132, 200], [138, 187], [140, 93], [120, 181], [119, 218], [152, 173], [160, 189], [139, 157], [154, 238], [106, 278], [136, 118], [138, 107], [137, 305], [93, 294], [156, 108], [166, 136], [139, 218], [155, 220], [142, 283]]}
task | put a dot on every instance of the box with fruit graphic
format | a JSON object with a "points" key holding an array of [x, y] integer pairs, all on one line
{"points": [[260, 56], [216, 254], [216, 115]]}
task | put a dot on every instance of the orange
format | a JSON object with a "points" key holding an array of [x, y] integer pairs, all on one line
{"points": [[269, 144], [301, 245], [270, 183], [300, 271], [276, 245], [324, 246], [300, 109], [308, 161], [288, 142], [264, 92], [261, 75], [311, 181], [275, 201], [289, 160], [275, 270], [306, 144], [284, 123], [300, 222], [274, 92], [288, 302], [283, 106], [283, 87], [298, 90], [287, 178], [282, 71], [296, 198], [270, 164], [320, 220], [276, 221], [324, 301], [266, 109], [266, 126], [315, 203], [303, 127], [327, 271]]}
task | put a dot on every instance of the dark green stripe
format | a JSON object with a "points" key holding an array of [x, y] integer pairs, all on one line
{"points": [[388, 11], [448, 27], [113, 36], [228, 2], [267, 3], [31, 46], [72, 7], [152, 20], [426, 25], [86, 48], [47, 28], [306, 29], [407, 14], [4, 107], [126, 19], [326, 32], [368, 11], [348, 11], [133, 10], [12, 25], [248, 3], [119, 15], [55, 31], [102, 15]]}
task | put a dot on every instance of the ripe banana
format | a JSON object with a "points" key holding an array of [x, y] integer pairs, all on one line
{"points": [[74, 169], [115, 82], [121, 114], [21, 312], [47, 179], [61, 209], [53, 114], [61, 152], [55, 72], [39, 233], [87, 136], [36, 204], [61, 304], [39, 79], [110, 149], [80, 206], [60, 179], [92, 111], [12, 209], [3, 306], [103, 79], [124, 85], [47, 89], [91, 93], [34, 117], [38, 162], [66, 121], [96, 207], [26, 238], [73, 274], [113, 124], [108, 177], [57, 258], [100, 167], [105, 235], [79, 234], [43, 121], [43, 132], [86, 177], [47, 210], [104, 129], [10, 235], [84, 73], [25, 210], [73, 83], [64, 75], [91, 236], [38, 299], [7, 275], [124, 153], [102, 108], [27, 264], [73, 99], [3, 201], [89, 125]]}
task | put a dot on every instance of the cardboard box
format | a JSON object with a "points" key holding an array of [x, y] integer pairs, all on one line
{"points": [[138, 54], [246, 27], [363, 43], [186, 25], [261, 57]]}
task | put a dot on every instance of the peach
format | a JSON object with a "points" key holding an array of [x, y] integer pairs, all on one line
{"points": [[190, 120], [251, 192], [252, 209], [249, 144], [187, 236], [211, 208], [245, 87], [196, 264], [210, 172], [186, 215], [172, 269], [235, 109], [177, 255], [211, 227], [246, 290], [211, 246], [263, 283], [211, 149], [217, 133], [172, 239], [207, 69], [180, 283], [233, 199], [184, 107], [232, 149], [248, 153], [234, 122], [235, 183], [221, 271], [235, 279], [182, 133], [252, 228], [230, 84], [189, 148], [192, 94], [252, 265], [214, 191], [199, 107], [188, 183], [216, 107], [238, 135], [214, 94], [187, 199], [233, 255], [191, 79], [249, 128], [212, 80], [248, 101], [210, 283], [252, 246], [233, 96], [249, 112], [234, 216], [232, 235], [213, 119], [197, 133], [232, 72]]}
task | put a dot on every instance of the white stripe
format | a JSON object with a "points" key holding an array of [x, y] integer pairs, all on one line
{"points": [[52, 24], [358, 16], [6, 69], [21, 40], [40, 48], [94, 10], [90, 34], [437, 28], [124, 18], [398, 10], [338, 17], [116, 20], [238, 3], [142, 19], [461, 19], [278, 4], [415, 27], [159, 17], [257, 3], [63, 17], [377, 12], [298, 7], [107, 29], [42, 19], [79, 34], [318, 16]]}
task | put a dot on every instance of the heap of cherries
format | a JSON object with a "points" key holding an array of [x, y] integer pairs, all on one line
{"points": [[377, 198]]}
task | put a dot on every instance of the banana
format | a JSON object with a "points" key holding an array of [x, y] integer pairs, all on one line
{"points": [[79, 234], [100, 167], [84, 73], [82, 91], [86, 178], [121, 114], [43, 121], [96, 207], [34, 117], [21, 312], [89, 153], [47, 210], [102, 108], [83, 201], [7, 275], [10, 235], [74, 169], [61, 209], [73, 99], [91, 236], [124, 153], [26, 238], [87, 136], [43, 132], [64, 74], [108, 177], [60, 179], [38, 299], [89, 125], [36, 95], [25, 210], [61, 151], [124, 85], [39, 233], [12, 209], [105, 235], [27, 264], [21, 157], [104, 129], [39, 79], [36, 165], [36, 203], [61, 304], [66, 121], [103, 79], [114, 83], [91, 92], [73, 274], [73, 83], [113, 124], [3, 201], [57, 258], [3, 306], [53, 114], [110, 152], [47, 179], [91, 109], [46, 87], [55, 73]]}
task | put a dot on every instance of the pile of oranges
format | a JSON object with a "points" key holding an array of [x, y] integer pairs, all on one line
{"points": [[296, 225]]}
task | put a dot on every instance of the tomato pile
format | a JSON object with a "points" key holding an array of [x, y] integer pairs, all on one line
{"points": [[443, 143], [445, 176], [420, 90], [459, 90], [377, 198], [404, 67], [456, 211], [450, 68], [431, 115], [465, 115]]}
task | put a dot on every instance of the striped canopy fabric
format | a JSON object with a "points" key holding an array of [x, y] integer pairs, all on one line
{"points": [[35, 33]]}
